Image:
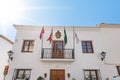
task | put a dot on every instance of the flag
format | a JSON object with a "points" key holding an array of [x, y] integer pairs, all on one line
{"points": [[77, 39], [41, 33], [50, 36], [65, 37]]}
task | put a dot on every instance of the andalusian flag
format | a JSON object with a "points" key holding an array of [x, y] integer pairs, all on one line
{"points": [[65, 37], [51, 35]]}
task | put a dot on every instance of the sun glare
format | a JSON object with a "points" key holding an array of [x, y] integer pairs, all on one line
{"points": [[11, 10]]}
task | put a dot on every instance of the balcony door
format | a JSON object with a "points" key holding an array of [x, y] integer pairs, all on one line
{"points": [[58, 51]]}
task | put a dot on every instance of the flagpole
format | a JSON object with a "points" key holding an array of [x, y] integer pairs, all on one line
{"points": [[73, 38], [41, 48], [64, 36], [42, 44], [73, 43]]}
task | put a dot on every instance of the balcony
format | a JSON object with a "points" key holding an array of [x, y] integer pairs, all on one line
{"points": [[49, 54]]}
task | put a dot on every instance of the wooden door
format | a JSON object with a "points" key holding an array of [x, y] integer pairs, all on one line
{"points": [[58, 49], [57, 74]]}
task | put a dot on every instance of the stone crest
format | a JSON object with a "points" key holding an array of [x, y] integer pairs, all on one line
{"points": [[58, 34]]}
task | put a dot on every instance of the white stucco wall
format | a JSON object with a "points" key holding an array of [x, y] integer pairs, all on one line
{"points": [[103, 39], [110, 39], [5, 46]]}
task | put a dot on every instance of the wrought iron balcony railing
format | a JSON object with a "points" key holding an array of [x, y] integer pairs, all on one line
{"points": [[49, 53]]}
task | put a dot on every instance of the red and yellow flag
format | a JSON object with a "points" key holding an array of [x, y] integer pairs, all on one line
{"points": [[51, 36]]}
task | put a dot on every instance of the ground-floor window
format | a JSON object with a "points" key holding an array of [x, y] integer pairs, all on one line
{"points": [[22, 74], [91, 74], [118, 69]]}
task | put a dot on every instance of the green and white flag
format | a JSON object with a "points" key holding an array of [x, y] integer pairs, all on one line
{"points": [[65, 37]]}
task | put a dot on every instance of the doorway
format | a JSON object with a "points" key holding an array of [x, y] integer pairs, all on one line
{"points": [[58, 49], [57, 74]]}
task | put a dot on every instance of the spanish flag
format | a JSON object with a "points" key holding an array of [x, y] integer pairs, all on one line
{"points": [[50, 36]]}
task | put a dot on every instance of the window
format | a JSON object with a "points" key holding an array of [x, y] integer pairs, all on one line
{"points": [[87, 47], [28, 46], [92, 75], [118, 69], [22, 74]]}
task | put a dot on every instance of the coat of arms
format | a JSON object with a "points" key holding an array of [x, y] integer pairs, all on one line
{"points": [[58, 34]]}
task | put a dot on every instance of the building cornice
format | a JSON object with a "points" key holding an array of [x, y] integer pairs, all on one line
{"points": [[107, 25], [3, 37], [98, 26]]}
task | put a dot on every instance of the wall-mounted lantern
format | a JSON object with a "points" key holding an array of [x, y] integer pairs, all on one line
{"points": [[103, 54], [10, 55], [45, 75], [68, 75]]}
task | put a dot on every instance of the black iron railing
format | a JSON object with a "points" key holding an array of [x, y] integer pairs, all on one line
{"points": [[49, 53]]}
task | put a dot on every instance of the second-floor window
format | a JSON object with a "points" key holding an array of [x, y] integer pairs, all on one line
{"points": [[87, 47], [28, 46]]}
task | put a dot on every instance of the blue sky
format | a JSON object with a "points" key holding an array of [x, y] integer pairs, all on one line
{"points": [[61, 12]]}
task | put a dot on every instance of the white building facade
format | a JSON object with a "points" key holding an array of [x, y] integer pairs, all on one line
{"points": [[76, 59], [5, 46]]}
